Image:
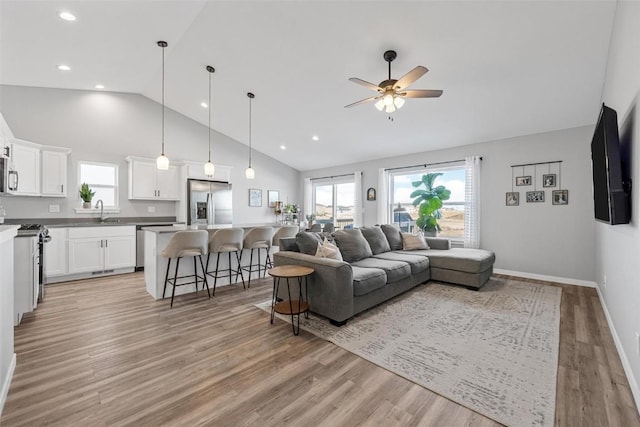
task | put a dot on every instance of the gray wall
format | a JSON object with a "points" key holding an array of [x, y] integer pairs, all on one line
{"points": [[534, 238], [619, 246], [107, 127]]}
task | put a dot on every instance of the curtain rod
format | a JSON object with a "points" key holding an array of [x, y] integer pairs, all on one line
{"points": [[426, 164], [534, 164], [333, 176]]}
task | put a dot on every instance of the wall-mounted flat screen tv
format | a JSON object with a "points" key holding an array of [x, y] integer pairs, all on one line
{"points": [[610, 187]]}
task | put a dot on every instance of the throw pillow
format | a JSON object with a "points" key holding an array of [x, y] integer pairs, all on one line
{"points": [[307, 242], [392, 232], [412, 242], [376, 239], [352, 244], [328, 250]]}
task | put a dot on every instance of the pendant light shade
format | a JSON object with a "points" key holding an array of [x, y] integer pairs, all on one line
{"points": [[209, 168], [162, 162], [250, 173]]}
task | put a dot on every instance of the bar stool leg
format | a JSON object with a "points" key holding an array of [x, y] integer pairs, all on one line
{"points": [[250, 267], [229, 253], [215, 277], [175, 281], [259, 263], [239, 270], [195, 273], [204, 276], [166, 277]]}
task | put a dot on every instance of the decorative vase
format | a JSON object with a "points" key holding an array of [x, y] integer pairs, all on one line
{"points": [[86, 205]]}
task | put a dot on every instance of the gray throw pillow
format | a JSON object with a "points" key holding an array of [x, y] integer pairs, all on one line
{"points": [[352, 244], [376, 239], [392, 232], [307, 242]]}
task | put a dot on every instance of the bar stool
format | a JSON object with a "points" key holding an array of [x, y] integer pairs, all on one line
{"points": [[283, 232], [226, 240], [328, 227], [258, 238], [317, 227], [192, 243]]}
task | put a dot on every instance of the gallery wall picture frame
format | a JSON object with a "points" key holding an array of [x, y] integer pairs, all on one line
{"points": [[513, 198], [371, 194], [273, 196], [549, 180], [535, 196], [523, 180], [255, 197], [560, 197]]}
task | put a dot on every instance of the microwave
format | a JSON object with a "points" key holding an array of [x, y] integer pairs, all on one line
{"points": [[5, 175]]}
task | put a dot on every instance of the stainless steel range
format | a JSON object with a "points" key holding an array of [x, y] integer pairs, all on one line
{"points": [[42, 234]]}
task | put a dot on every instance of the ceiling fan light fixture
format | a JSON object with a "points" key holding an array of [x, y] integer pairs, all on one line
{"points": [[388, 99], [398, 102], [380, 104], [390, 109]]}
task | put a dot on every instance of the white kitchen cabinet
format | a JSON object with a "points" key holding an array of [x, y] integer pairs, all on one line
{"points": [[24, 168], [55, 253], [54, 172], [101, 249], [146, 182], [26, 276]]}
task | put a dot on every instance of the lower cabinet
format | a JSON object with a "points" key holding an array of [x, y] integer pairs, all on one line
{"points": [[101, 249], [55, 253]]}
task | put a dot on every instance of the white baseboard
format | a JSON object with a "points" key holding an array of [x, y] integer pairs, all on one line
{"points": [[564, 280], [635, 391], [7, 382]]}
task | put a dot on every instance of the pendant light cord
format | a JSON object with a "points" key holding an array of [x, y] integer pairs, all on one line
{"points": [[250, 95], [208, 69], [163, 46]]}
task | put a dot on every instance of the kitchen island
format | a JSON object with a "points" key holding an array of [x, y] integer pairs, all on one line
{"points": [[155, 265], [7, 355]]}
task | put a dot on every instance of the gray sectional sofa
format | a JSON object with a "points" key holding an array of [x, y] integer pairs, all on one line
{"points": [[375, 268]]}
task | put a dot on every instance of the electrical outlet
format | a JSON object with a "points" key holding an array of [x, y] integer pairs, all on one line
{"points": [[54, 208], [151, 209], [604, 281]]}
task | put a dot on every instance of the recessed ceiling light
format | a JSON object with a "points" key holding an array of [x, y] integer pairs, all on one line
{"points": [[99, 87], [63, 67], [315, 137], [204, 105], [67, 16], [282, 147]]}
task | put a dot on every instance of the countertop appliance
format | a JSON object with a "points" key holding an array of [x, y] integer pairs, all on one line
{"points": [[4, 174], [209, 202], [29, 268]]}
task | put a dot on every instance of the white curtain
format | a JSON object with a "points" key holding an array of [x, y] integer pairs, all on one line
{"points": [[357, 210], [383, 196], [307, 208], [472, 202]]}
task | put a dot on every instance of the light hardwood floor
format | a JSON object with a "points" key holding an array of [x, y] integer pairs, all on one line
{"points": [[103, 352]]}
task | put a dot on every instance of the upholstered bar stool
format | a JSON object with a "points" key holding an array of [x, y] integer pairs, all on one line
{"points": [[226, 240], [283, 232], [328, 227], [258, 238], [192, 243]]}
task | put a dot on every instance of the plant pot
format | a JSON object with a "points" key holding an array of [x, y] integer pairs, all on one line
{"points": [[86, 205], [432, 233]]}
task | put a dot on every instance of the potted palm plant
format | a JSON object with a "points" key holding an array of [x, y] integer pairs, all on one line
{"points": [[429, 201], [86, 195]]}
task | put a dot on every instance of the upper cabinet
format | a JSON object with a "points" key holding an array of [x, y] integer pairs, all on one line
{"points": [[146, 182], [54, 172], [24, 168]]}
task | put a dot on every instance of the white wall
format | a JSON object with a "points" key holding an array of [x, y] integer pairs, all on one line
{"points": [[534, 238], [106, 127], [619, 246]]}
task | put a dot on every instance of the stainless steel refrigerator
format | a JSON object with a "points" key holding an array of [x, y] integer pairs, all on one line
{"points": [[209, 202]]}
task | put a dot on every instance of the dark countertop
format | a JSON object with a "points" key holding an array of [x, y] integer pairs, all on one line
{"points": [[93, 222]]}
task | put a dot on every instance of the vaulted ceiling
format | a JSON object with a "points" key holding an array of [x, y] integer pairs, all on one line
{"points": [[507, 68]]}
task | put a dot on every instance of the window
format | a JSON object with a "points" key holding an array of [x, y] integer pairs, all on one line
{"points": [[405, 214], [103, 179], [334, 203]]}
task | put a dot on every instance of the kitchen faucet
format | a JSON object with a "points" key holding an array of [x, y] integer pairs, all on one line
{"points": [[102, 217]]}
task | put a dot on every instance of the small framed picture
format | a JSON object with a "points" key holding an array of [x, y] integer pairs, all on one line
{"points": [[371, 194], [535, 196], [560, 197], [273, 196], [255, 197], [523, 180], [549, 180], [513, 198]]}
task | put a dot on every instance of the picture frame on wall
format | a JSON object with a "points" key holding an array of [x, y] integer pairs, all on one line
{"points": [[273, 196], [255, 197], [549, 180], [371, 194], [513, 198], [560, 197], [523, 180], [535, 196]]}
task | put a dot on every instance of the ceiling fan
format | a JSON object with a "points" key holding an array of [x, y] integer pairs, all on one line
{"points": [[391, 92]]}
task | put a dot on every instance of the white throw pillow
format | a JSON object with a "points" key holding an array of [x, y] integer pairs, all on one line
{"points": [[412, 242], [328, 250]]}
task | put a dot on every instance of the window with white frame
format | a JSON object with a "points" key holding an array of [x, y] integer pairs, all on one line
{"points": [[405, 214], [103, 179], [334, 202]]}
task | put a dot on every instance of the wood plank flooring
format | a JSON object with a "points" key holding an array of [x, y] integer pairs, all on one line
{"points": [[102, 352]]}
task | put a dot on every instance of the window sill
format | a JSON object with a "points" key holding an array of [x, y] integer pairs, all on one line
{"points": [[90, 211]]}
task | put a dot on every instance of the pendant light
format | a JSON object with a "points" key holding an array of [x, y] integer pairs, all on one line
{"points": [[162, 162], [209, 168], [250, 173]]}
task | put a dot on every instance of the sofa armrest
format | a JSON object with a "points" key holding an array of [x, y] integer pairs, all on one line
{"points": [[288, 244], [330, 286], [438, 243]]}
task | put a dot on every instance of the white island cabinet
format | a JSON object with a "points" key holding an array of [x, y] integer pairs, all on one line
{"points": [[7, 356]]}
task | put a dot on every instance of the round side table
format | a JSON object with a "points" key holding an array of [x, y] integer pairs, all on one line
{"points": [[293, 307]]}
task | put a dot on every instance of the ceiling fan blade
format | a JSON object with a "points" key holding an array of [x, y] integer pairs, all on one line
{"points": [[366, 84], [362, 101], [410, 77], [420, 93]]}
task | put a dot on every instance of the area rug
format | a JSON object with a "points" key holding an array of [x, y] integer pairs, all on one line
{"points": [[494, 351]]}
